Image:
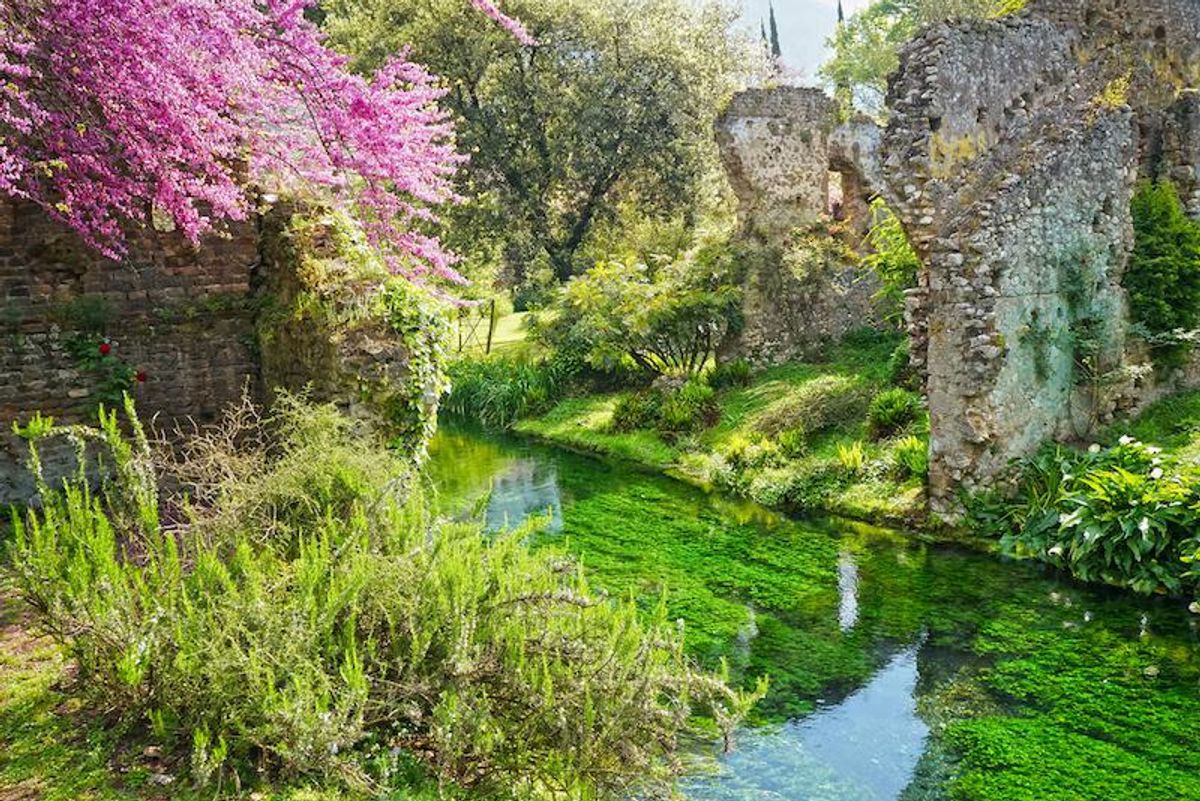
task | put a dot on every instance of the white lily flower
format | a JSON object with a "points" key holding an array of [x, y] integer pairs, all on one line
{"points": [[1057, 550], [1144, 525], [1156, 473], [1094, 447], [1126, 440]]}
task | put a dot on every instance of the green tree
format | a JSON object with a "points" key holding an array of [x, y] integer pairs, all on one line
{"points": [[866, 47], [616, 101], [776, 50], [1163, 278]]}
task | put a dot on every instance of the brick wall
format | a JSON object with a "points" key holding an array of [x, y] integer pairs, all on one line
{"points": [[181, 314]]}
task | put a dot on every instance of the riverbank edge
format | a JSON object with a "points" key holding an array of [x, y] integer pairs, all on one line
{"points": [[920, 525]]}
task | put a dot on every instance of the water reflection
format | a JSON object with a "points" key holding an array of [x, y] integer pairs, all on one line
{"points": [[865, 748], [526, 489], [847, 590], [874, 643]]}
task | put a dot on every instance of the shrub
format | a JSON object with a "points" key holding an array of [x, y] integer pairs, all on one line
{"points": [[297, 650], [1122, 515], [664, 320], [823, 404], [691, 407], [736, 373], [498, 391], [793, 442], [672, 412], [892, 258], [852, 457], [1163, 277], [637, 411], [891, 410], [912, 457], [744, 453]]}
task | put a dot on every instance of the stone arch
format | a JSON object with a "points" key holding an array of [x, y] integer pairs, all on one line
{"points": [[1011, 156]]}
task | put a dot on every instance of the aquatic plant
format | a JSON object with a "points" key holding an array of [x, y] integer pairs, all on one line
{"points": [[1123, 515]]}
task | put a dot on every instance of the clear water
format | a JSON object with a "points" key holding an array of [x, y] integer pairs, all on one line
{"points": [[900, 670]]}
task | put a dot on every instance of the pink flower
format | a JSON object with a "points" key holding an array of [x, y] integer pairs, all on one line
{"points": [[115, 112]]}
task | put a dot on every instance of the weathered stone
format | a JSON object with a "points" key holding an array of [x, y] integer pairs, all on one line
{"points": [[803, 288]]}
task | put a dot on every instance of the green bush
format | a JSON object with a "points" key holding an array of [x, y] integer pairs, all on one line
{"points": [[793, 442], [359, 625], [852, 457], [912, 457], [823, 404], [736, 373], [892, 258], [693, 406], [892, 410], [668, 319], [637, 411], [1163, 277], [1124, 515], [498, 391], [671, 412]]}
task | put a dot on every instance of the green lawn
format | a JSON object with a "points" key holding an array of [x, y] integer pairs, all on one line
{"points": [[813, 480]]}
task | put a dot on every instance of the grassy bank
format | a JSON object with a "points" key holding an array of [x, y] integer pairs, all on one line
{"points": [[797, 437]]}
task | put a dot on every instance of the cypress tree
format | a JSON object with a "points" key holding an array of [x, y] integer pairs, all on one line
{"points": [[775, 49]]}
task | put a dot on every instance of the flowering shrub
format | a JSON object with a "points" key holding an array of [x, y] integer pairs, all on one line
{"points": [[103, 123], [1125, 515], [114, 376]]}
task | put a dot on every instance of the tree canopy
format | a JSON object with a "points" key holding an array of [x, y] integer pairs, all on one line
{"points": [[126, 112], [616, 100], [866, 46]]}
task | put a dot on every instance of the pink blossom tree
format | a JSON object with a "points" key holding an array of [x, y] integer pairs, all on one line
{"points": [[115, 112]]}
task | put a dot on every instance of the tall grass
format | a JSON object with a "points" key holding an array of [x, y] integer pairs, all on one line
{"points": [[498, 391]]}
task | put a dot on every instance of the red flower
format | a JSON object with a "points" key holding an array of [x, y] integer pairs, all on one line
{"points": [[105, 348], [141, 376]]}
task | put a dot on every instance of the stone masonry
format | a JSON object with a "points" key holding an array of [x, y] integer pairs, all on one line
{"points": [[192, 320], [1012, 151], [803, 288], [181, 315]]}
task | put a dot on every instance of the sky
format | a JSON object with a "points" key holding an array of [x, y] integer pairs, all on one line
{"points": [[804, 25]]}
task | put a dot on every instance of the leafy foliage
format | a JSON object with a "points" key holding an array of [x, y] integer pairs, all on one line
{"points": [[352, 620], [672, 411], [615, 102], [866, 47], [105, 126], [1124, 515], [666, 320], [497, 391], [734, 373], [912, 456], [1163, 277], [892, 258], [891, 410]]}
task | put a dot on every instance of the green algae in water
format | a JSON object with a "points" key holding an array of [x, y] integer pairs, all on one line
{"points": [[899, 670]]}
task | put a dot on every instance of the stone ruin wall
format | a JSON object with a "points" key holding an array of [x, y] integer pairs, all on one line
{"points": [[188, 317], [1013, 179], [778, 150], [182, 315]]}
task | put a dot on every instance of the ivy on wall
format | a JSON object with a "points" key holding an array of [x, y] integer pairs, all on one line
{"points": [[336, 322]]}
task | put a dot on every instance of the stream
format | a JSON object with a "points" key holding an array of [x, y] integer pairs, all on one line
{"points": [[900, 670]]}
